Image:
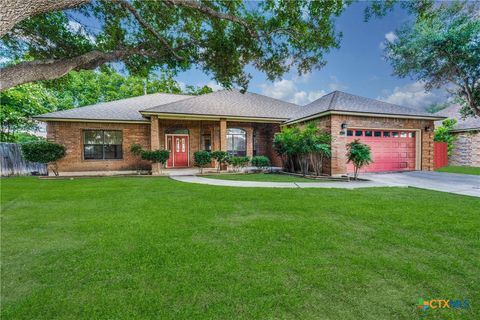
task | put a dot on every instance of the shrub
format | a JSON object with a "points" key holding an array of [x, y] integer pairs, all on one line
{"points": [[222, 157], [44, 152], [239, 162], [444, 133], [156, 156], [261, 162], [202, 159], [359, 154]]}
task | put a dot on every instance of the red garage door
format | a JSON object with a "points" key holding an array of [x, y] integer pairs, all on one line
{"points": [[392, 150]]}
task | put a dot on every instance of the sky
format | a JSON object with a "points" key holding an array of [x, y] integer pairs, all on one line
{"points": [[357, 67]]}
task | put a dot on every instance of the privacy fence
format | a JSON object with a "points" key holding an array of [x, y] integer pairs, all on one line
{"points": [[13, 164]]}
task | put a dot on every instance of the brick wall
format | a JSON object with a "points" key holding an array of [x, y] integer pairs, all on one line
{"points": [[466, 149], [70, 134], [339, 150]]}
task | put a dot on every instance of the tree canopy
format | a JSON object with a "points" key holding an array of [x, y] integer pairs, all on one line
{"points": [[219, 37], [441, 48]]}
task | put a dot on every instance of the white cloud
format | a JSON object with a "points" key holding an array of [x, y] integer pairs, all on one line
{"points": [[288, 89], [215, 86], [76, 27], [413, 95], [391, 36]]}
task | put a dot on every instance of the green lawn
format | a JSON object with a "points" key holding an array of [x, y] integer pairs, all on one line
{"points": [[270, 177], [464, 170], [154, 248]]}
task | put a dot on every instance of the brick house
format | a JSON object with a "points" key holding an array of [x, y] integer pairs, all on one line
{"points": [[466, 146], [99, 137]]}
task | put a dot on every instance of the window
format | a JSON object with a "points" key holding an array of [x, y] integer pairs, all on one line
{"points": [[176, 130], [395, 134], [403, 134], [254, 142], [207, 142], [368, 133], [102, 144], [236, 142], [358, 133], [377, 134], [386, 134], [349, 133], [411, 134]]}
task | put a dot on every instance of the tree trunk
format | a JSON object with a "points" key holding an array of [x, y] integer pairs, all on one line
{"points": [[15, 11], [51, 69]]}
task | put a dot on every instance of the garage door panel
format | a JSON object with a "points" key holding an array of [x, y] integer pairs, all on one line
{"points": [[393, 150]]}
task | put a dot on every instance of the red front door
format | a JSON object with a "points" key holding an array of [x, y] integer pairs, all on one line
{"points": [[392, 150], [178, 146]]}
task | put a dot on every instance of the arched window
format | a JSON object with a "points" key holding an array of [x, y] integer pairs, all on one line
{"points": [[236, 142], [176, 130]]}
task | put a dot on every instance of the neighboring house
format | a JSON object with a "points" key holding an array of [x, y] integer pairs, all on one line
{"points": [[466, 147], [99, 137]]}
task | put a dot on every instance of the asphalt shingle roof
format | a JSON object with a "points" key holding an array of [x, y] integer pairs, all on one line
{"points": [[119, 110], [342, 101], [230, 103], [453, 112]]}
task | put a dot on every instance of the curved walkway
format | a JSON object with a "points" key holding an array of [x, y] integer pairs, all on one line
{"points": [[258, 184]]}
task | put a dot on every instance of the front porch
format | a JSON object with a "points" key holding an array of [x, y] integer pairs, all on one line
{"points": [[183, 137]]}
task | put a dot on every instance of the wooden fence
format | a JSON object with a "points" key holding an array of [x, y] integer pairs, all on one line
{"points": [[13, 164], [440, 152]]}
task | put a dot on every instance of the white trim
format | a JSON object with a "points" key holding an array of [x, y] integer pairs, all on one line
{"points": [[362, 114], [173, 153], [418, 141]]}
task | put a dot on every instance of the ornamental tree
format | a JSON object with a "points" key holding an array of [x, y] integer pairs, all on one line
{"points": [[221, 157], [45, 41], [44, 152], [202, 159], [359, 155]]}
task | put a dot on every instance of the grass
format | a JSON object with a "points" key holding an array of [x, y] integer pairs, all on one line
{"points": [[267, 177], [464, 170], [154, 248]]}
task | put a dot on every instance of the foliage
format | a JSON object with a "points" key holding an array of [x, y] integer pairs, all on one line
{"points": [[19, 137], [238, 163], [43, 152], [136, 149], [444, 133], [219, 37], [261, 162], [441, 48], [359, 155], [202, 159], [156, 156], [222, 158], [307, 147]]}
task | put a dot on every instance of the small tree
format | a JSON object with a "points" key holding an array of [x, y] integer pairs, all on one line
{"points": [[202, 159], [136, 150], [261, 162], [444, 133], [359, 154], [239, 162], [156, 156], [44, 152], [221, 157]]}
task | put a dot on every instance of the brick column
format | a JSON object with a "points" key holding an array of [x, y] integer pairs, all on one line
{"points": [[223, 134], [154, 141], [339, 147], [249, 137]]}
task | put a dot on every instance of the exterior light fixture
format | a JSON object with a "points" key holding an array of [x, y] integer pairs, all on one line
{"points": [[344, 126]]}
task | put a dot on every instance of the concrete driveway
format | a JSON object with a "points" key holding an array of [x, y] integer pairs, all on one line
{"points": [[464, 184]]}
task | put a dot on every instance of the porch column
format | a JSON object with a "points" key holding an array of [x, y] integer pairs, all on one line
{"points": [[223, 134], [249, 137], [154, 141]]}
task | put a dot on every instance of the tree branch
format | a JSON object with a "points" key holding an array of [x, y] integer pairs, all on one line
{"points": [[198, 6], [15, 11], [147, 26]]}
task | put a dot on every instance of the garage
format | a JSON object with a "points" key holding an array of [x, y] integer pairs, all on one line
{"points": [[392, 150]]}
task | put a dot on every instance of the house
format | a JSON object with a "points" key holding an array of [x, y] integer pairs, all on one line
{"points": [[466, 146], [99, 137]]}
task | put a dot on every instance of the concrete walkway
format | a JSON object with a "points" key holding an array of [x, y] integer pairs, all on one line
{"points": [[258, 184]]}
